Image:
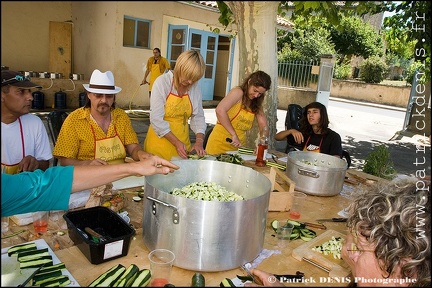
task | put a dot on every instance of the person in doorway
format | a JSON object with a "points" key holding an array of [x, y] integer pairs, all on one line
{"points": [[156, 66], [50, 190], [98, 133], [25, 144], [176, 100], [236, 113], [388, 239], [315, 136]]}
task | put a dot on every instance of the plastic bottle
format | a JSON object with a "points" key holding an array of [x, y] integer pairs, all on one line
{"points": [[262, 148]]}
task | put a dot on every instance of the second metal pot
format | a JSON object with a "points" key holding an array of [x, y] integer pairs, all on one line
{"points": [[316, 173], [207, 235]]}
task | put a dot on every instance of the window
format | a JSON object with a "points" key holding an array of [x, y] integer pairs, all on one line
{"points": [[136, 32]]}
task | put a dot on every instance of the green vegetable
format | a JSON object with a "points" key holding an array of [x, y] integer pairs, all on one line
{"points": [[198, 280], [45, 269], [227, 283], [142, 278], [129, 274], [110, 275], [58, 282], [230, 158], [32, 254], [14, 250], [208, 191], [331, 247], [45, 277], [37, 262], [277, 165], [244, 150]]}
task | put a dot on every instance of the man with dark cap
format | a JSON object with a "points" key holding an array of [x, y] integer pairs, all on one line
{"points": [[25, 144]]}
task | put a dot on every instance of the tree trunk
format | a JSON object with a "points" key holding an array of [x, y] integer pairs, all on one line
{"points": [[256, 25]]}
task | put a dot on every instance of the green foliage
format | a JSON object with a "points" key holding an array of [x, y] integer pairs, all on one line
{"points": [[417, 65], [373, 70], [379, 163], [305, 44], [342, 71], [355, 37]]}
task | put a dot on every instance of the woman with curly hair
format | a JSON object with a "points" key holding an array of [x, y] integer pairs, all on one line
{"points": [[388, 242], [236, 113], [389, 239]]}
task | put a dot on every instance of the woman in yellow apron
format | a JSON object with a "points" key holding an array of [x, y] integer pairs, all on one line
{"points": [[236, 113], [176, 100], [156, 66]]}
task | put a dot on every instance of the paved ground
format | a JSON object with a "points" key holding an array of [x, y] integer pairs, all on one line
{"points": [[362, 128]]}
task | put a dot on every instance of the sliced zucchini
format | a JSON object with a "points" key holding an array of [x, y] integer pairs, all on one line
{"points": [[227, 283], [14, 250], [43, 277], [142, 278], [306, 239], [112, 278], [32, 254], [126, 276], [105, 275], [45, 269], [57, 282], [274, 224], [34, 263], [295, 223]]}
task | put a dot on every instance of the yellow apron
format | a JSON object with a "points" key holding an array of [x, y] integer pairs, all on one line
{"points": [[178, 109], [241, 120], [312, 148], [109, 149], [154, 73], [14, 168]]}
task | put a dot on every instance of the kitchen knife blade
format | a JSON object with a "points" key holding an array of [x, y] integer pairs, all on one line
{"points": [[332, 220], [31, 276], [313, 225]]}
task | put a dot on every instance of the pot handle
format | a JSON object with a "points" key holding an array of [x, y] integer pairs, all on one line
{"points": [[308, 173], [176, 216]]}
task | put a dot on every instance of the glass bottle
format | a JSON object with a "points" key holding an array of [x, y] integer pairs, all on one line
{"points": [[262, 148]]}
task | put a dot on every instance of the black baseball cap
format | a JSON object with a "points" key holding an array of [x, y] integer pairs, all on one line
{"points": [[9, 77]]}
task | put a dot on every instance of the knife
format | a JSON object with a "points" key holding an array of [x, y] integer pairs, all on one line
{"points": [[332, 220], [313, 225], [31, 276]]}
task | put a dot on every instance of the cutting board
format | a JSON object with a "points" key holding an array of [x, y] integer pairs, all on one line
{"points": [[336, 267], [12, 275]]}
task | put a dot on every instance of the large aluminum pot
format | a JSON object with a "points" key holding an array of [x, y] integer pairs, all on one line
{"points": [[316, 173], [207, 235]]}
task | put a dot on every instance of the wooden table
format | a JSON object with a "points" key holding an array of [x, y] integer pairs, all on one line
{"points": [[84, 272]]}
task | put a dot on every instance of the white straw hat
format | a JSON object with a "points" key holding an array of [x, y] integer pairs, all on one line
{"points": [[102, 83]]}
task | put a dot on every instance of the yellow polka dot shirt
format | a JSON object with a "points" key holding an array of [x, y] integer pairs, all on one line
{"points": [[76, 139]]}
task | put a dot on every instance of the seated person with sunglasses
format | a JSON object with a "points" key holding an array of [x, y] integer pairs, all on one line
{"points": [[388, 243], [25, 144], [98, 133]]}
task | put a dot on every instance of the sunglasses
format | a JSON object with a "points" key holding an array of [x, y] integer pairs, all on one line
{"points": [[17, 78]]}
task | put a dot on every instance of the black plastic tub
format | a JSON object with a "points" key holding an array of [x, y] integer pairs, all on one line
{"points": [[105, 222]]}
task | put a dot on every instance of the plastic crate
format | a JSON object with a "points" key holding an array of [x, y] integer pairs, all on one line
{"points": [[105, 222]]}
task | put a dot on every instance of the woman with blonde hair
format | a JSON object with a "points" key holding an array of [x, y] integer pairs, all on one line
{"points": [[176, 100]]}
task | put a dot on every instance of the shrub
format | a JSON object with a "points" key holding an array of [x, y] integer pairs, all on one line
{"points": [[342, 71], [378, 163], [373, 70]]}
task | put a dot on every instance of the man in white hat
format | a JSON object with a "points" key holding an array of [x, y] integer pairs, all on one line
{"points": [[98, 133], [25, 144]]}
